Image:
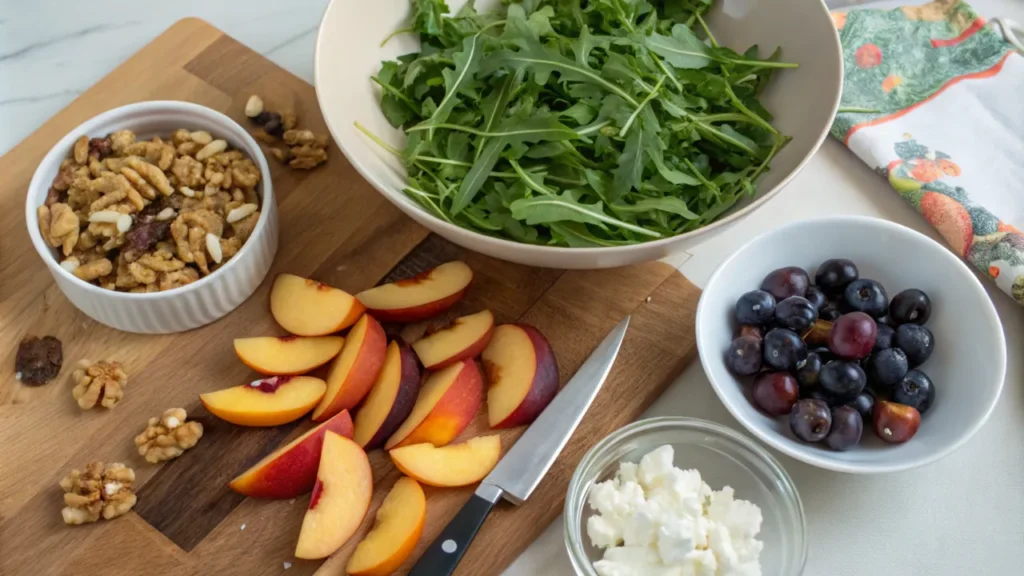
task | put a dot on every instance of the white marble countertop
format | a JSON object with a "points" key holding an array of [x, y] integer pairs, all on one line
{"points": [[961, 515]]}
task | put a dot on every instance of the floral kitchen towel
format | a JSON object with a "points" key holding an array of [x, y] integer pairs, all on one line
{"points": [[933, 99]]}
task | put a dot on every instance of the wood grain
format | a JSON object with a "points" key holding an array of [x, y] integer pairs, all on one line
{"points": [[336, 228]]}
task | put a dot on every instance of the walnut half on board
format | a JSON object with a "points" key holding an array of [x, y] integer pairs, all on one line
{"points": [[168, 436], [99, 490]]}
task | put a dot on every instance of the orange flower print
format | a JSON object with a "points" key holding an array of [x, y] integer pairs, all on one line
{"points": [[868, 56], [892, 165], [925, 171], [891, 81], [949, 167], [840, 19]]}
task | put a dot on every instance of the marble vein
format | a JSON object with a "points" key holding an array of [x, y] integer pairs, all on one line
{"points": [[67, 37]]}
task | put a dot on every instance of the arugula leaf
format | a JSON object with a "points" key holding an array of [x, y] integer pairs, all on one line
{"points": [[630, 168], [682, 50], [665, 204], [466, 63], [428, 16], [546, 209]]}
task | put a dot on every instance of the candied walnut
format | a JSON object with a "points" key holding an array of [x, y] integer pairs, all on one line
{"points": [[305, 138], [244, 227], [141, 273], [121, 140], [108, 200], [100, 148], [93, 270], [151, 173], [124, 277], [156, 153], [177, 279], [262, 136], [80, 152], [188, 171], [97, 491], [180, 136], [281, 154], [244, 173], [209, 221], [289, 120], [100, 383], [168, 436], [62, 181], [160, 261], [38, 360], [138, 183], [197, 247], [59, 226], [307, 157]]}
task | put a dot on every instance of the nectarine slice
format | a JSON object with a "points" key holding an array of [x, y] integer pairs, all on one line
{"points": [[465, 337], [268, 402], [341, 496], [420, 297], [355, 369], [446, 404], [522, 375], [390, 399], [452, 465], [396, 531], [290, 470], [287, 355], [309, 308]]}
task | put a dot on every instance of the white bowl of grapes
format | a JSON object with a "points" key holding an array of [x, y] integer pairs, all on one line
{"points": [[852, 343]]}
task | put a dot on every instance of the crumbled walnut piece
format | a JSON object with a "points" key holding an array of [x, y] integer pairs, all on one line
{"points": [[154, 175], [177, 279], [121, 140], [100, 383], [138, 183], [244, 173], [305, 138], [94, 269], [100, 148], [245, 227], [289, 120], [168, 437], [38, 360], [100, 490], [59, 226], [262, 136], [81, 150], [307, 157]]}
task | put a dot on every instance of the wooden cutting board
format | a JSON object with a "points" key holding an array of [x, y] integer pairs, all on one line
{"points": [[336, 228]]}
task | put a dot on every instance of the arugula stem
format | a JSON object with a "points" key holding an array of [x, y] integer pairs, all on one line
{"points": [[646, 100], [396, 33], [461, 128], [529, 181], [627, 22], [427, 200], [747, 112], [697, 174], [725, 117], [378, 141], [396, 93], [711, 37], [758, 63]]}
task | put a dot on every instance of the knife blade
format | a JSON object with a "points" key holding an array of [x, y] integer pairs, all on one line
{"points": [[521, 470]]}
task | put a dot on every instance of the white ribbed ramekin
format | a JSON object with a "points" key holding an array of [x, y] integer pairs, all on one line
{"points": [[183, 308]]}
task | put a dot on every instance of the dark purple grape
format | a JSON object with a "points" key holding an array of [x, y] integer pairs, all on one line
{"points": [[775, 392], [833, 275], [917, 341], [916, 390], [795, 313], [842, 379], [910, 307], [744, 356], [783, 349], [884, 337], [817, 393], [847, 427], [853, 335], [887, 367], [866, 296], [863, 403], [824, 353], [816, 297], [810, 420], [786, 282], [755, 307], [829, 311], [807, 370]]}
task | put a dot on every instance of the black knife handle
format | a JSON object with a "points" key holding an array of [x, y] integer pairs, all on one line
{"points": [[444, 553]]}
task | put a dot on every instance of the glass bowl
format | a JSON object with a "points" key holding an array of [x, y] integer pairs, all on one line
{"points": [[723, 457]]}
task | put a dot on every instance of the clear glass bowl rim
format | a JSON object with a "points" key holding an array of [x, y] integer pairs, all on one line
{"points": [[574, 501]]}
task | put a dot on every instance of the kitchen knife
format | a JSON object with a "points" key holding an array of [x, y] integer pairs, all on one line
{"points": [[520, 471]]}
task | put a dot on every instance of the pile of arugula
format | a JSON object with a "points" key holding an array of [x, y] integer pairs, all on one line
{"points": [[578, 122]]}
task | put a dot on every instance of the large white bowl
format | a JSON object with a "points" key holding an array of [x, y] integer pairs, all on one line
{"points": [[803, 100], [967, 367], [190, 306]]}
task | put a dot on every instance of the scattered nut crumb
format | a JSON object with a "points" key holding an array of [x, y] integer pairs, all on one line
{"points": [[98, 383], [98, 491], [243, 527], [287, 565], [647, 300], [38, 360], [304, 149], [168, 437]]}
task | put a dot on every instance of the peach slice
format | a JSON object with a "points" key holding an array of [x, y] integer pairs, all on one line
{"points": [[464, 338], [290, 470], [306, 307], [341, 496], [420, 297], [522, 375], [395, 533], [354, 370], [268, 402], [446, 404], [285, 355], [452, 465], [390, 400]]}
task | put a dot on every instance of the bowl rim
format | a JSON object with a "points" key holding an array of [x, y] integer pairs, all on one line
{"points": [[39, 179], [574, 548], [492, 244], [824, 459]]}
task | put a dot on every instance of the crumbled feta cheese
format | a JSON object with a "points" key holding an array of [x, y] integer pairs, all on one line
{"points": [[287, 565], [654, 519]]}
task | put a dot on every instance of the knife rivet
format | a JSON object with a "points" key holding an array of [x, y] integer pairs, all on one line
{"points": [[449, 546]]}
